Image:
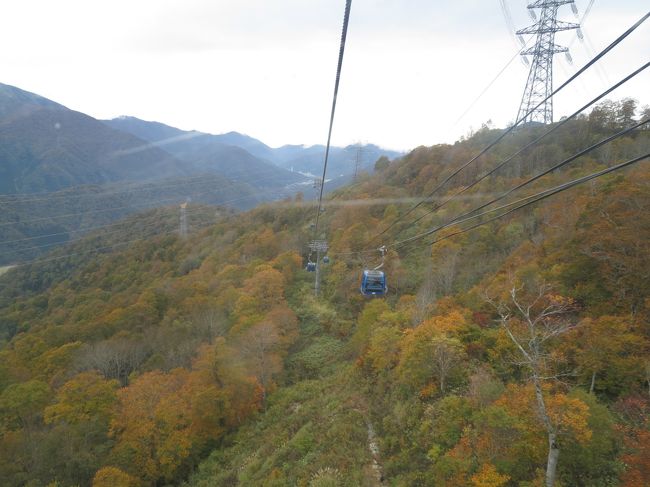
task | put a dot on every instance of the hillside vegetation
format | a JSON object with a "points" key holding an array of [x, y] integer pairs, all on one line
{"points": [[208, 360], [33, 225]]}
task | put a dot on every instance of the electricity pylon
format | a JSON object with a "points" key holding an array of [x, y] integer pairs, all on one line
{"points": [[540, 78], [183, 227]]}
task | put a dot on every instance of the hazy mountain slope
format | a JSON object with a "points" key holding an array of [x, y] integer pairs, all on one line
{"points": [[84, 174], [341, 161], [208, 150], [208, 360], [45, 147], [14, 101], [31, 226], [149, 131], [250, 144], [211, 153]]}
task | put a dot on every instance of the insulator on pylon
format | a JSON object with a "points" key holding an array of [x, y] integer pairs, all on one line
{"points": [[568, 57], [581, 36], [574, 8], [536, 102], [525, 61], [521, 40]]}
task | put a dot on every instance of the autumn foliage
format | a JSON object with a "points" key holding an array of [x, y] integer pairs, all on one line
{"points": [[209, 360]]}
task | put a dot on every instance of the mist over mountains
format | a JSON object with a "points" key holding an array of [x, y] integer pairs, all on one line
{"points": [[202, 148], [63, 172], [207, 360]]}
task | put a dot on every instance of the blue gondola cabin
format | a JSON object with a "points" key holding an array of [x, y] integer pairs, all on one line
{"points": [[373, 283]]}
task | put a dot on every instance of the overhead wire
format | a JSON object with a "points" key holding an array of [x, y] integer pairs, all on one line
{"points": [[529, 180], [344, 33], [150, 202], [63, 192], [532, 143], [334, 105], [514, 206], [590, 63], [75, 239], [489, 85], [97, 249], [532, 199], [510, 25], [80, 230], [511, 29], [16, 251], [144, 186], [273, 191], [600, 71]]}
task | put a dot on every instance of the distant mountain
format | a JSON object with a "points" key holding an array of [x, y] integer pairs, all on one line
{"points": [[44, 146], [14, 101], [210, 151], [149, 131], [233, 155], [33, 225], [63, 173], [341, 161], [254, 146]]}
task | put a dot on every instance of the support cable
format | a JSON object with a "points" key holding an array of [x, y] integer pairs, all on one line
{"points": [[529, 200], [509, 130], [526, 182], [344, 34], [97, 249], [147, 204], [494, 80], [529, 145]]}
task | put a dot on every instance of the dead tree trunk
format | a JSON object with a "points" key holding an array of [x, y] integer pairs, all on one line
{"points": [[531, 327]]}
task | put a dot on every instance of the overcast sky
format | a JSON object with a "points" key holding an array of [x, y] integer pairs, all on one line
{"points": [[266, 67]]}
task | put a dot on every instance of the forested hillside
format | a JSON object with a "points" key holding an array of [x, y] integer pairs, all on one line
{"points": [[209, 361], [32, 225], [231, 155], [63, 173], [45, 146]]}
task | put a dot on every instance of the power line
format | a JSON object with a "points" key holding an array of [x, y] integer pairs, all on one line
{"points": [[540, 77], [16, 251], [139, 187], [321, 245], [52, 244], [147, 204], [530, 144], [510, 25], [529, 200], [271, 191], [607, 49], [344, 33], [31, 197], [88, 229], [489, 85], [528, 181], [72, 254]]}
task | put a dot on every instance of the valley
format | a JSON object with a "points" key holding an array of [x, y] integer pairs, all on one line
{"points": [[64, 173], [207, 360]]}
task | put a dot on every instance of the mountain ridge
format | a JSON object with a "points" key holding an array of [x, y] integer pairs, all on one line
{"points": [[207, 360]]}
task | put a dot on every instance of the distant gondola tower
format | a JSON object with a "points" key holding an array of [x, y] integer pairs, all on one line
{"points": [[183, 229], [540, 78]]}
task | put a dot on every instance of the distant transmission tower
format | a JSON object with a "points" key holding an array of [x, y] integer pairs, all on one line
{"points": [[183, 229], [357, 162], [540, 78], [358, 159]]}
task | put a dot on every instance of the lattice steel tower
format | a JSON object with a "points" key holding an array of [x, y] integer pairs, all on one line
{"points": [[183, 227], [540, 78]]}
